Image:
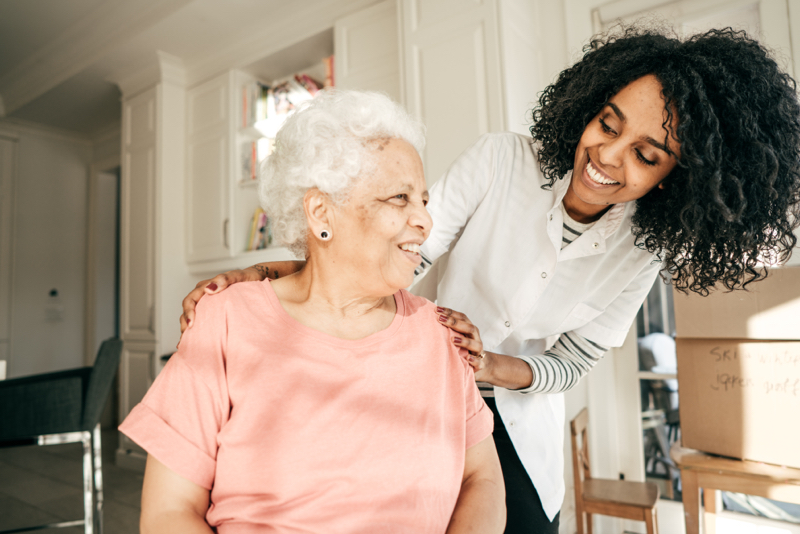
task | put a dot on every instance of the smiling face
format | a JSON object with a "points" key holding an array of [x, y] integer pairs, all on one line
{"points": [[621, 155], [384, 221]]}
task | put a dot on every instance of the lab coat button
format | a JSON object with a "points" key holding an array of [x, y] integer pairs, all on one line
{"points": [[595, 245], [508, 324], [551, 216], [544, 275]]}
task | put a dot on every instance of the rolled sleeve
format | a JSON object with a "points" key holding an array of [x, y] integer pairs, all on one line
{"points": [[155, 435], [181, 415]]}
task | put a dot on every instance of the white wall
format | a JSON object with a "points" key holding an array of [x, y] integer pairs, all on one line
{"points": [[48, 250]]}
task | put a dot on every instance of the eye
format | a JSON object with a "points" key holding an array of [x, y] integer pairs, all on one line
{"points": [[401, 198], [644, 159], [424, 201], [606, 128]]}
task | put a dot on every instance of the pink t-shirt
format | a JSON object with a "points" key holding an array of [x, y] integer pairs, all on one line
{"points": [[294, 430]]}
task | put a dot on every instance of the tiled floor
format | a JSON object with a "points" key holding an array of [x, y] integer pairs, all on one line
{"points": [[45, 484]]}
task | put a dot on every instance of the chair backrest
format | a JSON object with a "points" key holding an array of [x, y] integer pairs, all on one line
{"points": [[580, 450], [100, 381]]}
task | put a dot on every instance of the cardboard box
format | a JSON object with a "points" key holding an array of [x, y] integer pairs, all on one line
{"points": [[769, 309], [741, 398]]}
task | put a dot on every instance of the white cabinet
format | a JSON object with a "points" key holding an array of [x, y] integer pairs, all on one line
{"points": [[367, 49], [207, 161], [219, 205], [459, 79]]}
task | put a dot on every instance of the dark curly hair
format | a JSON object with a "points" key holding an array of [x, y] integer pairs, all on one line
{"points": [[734, 196]]}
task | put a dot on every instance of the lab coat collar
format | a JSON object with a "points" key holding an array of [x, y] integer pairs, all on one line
{"points": [[608, 224]]}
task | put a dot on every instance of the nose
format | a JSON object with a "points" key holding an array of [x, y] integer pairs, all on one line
{"points": [[420, 218], [610, 153]]}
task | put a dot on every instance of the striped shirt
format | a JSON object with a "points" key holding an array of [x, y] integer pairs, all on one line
{"points": [[571, 356]]}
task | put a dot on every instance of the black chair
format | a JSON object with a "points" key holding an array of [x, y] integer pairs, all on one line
{"points": [[64, 407]]}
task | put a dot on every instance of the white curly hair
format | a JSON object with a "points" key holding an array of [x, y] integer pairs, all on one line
{"points": [[326, 144]]}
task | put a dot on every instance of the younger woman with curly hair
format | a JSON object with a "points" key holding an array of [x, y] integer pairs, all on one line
{"points": [[650, 153]]}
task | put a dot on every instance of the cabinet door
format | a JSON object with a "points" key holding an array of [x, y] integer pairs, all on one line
{"points": [[207, 167], [137, 218], [367, 50], [452, 75]]}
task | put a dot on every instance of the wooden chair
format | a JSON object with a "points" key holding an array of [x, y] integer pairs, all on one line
{"points": [[616, 498]]}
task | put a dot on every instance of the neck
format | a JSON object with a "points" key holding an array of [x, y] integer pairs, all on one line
{"points": [[335, 293], [581, 211]]}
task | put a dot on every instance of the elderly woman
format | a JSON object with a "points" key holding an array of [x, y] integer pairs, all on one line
{"points": [[294, 405]]}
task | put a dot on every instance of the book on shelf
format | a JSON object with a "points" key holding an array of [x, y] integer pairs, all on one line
{"points": [[249, 162], [266, 107], [329, 80], [260, 235], [253, 155], [265, 102]]}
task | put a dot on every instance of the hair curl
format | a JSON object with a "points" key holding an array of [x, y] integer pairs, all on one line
{"points": [[734, 197], [326, 145]]}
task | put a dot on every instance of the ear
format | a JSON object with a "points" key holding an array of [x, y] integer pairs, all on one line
{"points": [[319, 214]]}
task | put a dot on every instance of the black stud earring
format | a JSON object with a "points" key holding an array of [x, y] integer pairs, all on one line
{"points": [[324, 235]]}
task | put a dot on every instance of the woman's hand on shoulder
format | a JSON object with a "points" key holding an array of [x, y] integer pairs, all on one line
{"points": [[214, 285], [467, 336]]}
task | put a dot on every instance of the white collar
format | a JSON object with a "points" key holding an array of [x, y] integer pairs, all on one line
{"points": [[607, 224]]}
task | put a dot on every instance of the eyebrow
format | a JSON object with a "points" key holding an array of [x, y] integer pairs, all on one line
{"points": [[648, 139]]}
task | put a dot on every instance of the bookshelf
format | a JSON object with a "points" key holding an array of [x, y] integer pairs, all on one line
{"points": [[231, 121]]}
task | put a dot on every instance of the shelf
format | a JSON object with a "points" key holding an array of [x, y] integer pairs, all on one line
{"points": [[250, 133], [243, 260], [649, 375]]}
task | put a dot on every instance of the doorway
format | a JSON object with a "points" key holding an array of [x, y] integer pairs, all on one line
{"points": [[7, 149], [102, 267]]}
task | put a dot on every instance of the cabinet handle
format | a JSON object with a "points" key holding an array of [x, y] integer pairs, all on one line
{"points": [[225, 233]]}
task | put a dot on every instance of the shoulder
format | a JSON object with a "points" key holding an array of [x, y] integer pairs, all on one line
{"points": [[424, 318], [237, 303], [416, 304], [421, 312]]}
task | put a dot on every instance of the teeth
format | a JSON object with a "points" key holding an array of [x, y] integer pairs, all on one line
{"points": [[596, 176], [410, 247]]}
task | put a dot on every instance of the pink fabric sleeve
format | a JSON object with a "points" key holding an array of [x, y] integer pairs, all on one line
{"points": [[480, 420], [178, 420]]}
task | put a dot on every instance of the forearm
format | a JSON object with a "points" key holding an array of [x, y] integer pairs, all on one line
{"points": [[505, 371], [480, 508], [559, 369], [277, 269], [562, 366]]}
